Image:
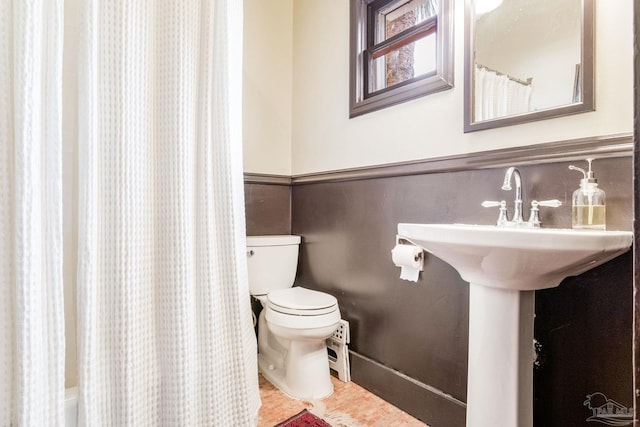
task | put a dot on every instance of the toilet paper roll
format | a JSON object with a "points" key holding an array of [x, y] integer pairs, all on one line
{"points": [[410, 260]]}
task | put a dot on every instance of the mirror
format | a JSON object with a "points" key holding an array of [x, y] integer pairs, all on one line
{"points": [[527, 60]]}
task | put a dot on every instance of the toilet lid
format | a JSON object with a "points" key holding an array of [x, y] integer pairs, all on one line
{"points": [[301, 301]]}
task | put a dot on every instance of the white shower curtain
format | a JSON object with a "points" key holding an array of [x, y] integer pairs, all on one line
{"points": [[497, 95], [31, 292], [165, 330]]}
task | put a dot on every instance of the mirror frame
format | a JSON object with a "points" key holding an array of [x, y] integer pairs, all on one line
{"points": [[587, 81]]}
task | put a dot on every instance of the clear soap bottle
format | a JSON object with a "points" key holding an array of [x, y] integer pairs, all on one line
{"points": [[588, 211]]}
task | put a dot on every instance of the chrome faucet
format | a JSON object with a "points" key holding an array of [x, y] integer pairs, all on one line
{"points": [[506, 185], [517, 221]]}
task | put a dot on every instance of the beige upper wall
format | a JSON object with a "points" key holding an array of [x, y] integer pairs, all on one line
{"points": [[324, 138], [296, 85], [267, 98]]}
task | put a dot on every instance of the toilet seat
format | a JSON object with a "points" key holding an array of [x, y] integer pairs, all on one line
{"points": [[297, 322], [300, 308], [299, 301]]}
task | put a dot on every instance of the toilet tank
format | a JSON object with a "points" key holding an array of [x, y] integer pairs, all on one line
{"points": [[272, 262]]}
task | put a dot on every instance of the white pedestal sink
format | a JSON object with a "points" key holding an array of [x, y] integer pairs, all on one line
{"points": [[504, 266]]}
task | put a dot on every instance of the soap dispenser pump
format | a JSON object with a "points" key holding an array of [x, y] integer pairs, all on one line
{"points": [[588, 210]]}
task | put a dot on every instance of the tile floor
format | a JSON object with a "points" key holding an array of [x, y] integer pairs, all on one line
{"points": [[349, 406]]}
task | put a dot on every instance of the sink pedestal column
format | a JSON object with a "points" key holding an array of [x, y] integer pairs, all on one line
{"points": [[500, 375]]}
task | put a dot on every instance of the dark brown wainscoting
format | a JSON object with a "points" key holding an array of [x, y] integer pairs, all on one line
{"points": [[267, 208]]}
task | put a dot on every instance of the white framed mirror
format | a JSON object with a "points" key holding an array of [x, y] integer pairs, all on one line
{"points": [[527, 60]]}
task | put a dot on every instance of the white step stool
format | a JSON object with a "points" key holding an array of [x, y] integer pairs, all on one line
{"points": [[337, 343]]}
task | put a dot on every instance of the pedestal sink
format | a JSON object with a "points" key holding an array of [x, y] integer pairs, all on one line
{"points": [[504, 266]]}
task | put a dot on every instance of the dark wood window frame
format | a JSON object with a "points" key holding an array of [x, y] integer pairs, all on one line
{"points": [[364, 50]]}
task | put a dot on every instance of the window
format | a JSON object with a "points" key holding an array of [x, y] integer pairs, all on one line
{"points": [[399, 51]]}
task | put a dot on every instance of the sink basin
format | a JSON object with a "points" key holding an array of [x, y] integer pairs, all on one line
{"points": [[517, 258], [504, 266]]}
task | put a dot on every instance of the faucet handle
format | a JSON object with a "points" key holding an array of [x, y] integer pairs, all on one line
{"points": [[502, 217], [534, 218], [548, 203]]}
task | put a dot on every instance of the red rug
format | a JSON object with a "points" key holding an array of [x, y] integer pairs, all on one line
{"points": [[303, 419]]}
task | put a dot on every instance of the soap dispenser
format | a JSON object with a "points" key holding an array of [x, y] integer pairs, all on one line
{"points": [[588, 210]]}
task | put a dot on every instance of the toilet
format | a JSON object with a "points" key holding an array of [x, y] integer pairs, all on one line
{"points": [[294, 323]]}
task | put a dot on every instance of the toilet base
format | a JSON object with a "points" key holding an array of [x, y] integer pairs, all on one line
{"points": [[305, 375]]}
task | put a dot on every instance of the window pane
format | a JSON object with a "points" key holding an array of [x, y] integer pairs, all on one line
{"points": [[401, 15], [412, 60]]}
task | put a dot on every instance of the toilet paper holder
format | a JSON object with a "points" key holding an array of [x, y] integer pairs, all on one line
{"points": [[402, 241]]}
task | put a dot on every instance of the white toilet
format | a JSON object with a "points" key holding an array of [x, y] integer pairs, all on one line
{"points": [[294, 323]]}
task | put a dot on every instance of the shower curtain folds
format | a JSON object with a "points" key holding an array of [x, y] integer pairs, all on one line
{"points": [[498, 95], [165, 331], [31, 292]]}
